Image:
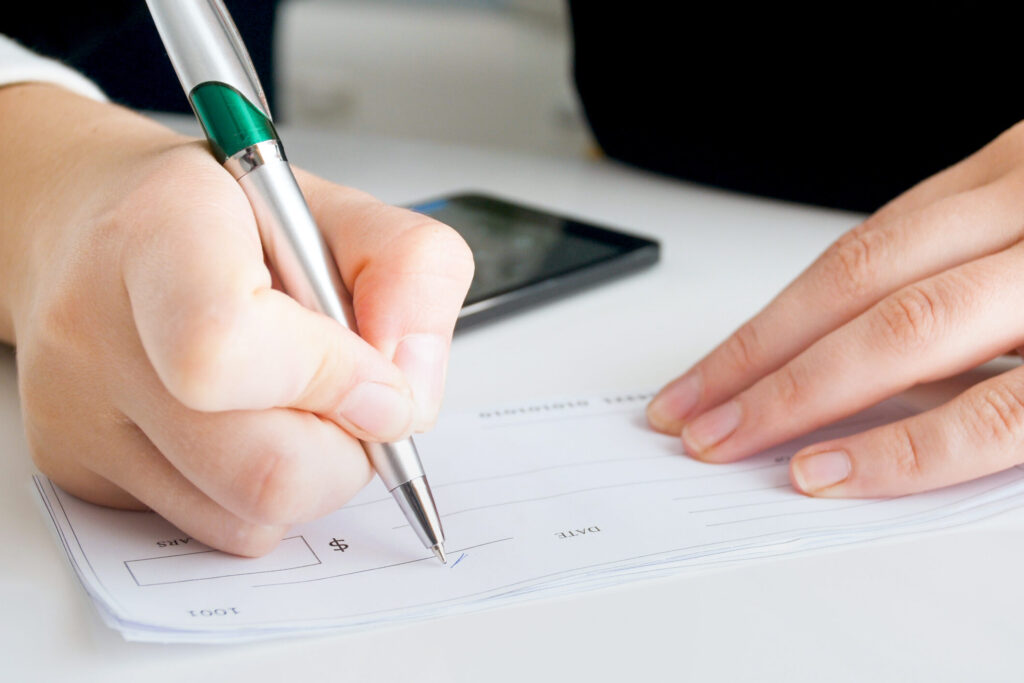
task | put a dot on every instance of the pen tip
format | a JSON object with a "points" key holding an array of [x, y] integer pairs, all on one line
{"points": [[439, 552]]}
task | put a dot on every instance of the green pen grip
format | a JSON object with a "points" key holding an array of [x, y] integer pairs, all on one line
{"points": [[230, 121]]}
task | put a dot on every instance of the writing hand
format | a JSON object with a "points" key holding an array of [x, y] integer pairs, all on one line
{"points": [[159, 367]]}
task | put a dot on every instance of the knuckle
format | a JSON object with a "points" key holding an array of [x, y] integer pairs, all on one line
{"points": [[200, 368], [850, 265], [276, 490], [744, 348], [788, 386], [996, 413], [336, 374], [446, 246], [905, 459], [908, 320], [59, 330]]}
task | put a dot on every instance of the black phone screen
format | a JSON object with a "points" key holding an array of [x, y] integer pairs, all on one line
{"points": [[524, 254]]}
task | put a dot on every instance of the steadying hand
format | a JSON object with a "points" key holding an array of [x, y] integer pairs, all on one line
{"points": [[929, 286]]}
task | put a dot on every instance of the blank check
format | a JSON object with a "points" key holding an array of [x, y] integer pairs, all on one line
{"points": [[543, 499]]}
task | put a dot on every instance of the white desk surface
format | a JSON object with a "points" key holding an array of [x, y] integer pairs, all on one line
{"points": [[947, 606]]}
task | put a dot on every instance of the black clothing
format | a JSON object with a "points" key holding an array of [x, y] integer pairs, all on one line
{"points": [[845, 110], [115, 43]]}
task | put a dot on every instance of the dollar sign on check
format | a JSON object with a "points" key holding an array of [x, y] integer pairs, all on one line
{"points": [[338, 544]]}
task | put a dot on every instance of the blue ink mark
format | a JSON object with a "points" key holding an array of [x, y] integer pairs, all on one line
{"points": [[428, 208], [458, 560]]}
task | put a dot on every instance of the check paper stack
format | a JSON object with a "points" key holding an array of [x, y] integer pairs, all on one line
{"points": [[546, 499]]}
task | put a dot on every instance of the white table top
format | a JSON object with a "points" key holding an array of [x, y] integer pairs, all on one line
{"points": [[939, 607]]}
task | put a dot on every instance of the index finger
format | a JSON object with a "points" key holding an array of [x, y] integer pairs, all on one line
{"points": [[408, 275], [866, 264], [926, 331]]}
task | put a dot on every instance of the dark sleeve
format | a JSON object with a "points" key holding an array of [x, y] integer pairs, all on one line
{"points": [[115, 43], [847, 110]]}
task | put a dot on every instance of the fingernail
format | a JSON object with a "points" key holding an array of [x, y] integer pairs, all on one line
{"points": [[672, 405], [377, 409], [711, 427], [821, 470], [422, 358]]}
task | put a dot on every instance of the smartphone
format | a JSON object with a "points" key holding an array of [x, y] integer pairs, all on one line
{"points": [[525, 256]]}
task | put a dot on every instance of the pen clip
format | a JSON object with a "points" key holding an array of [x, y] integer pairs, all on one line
{"points": [[204, 46], [238, 46]]}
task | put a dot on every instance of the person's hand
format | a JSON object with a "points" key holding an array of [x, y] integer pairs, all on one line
{"points": [[929, 286], [158, 366]]}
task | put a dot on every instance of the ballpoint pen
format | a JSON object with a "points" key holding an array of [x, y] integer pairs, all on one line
{"points": [[221, 84]]}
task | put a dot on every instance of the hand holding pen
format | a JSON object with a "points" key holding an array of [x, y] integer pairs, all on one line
{"points": [[160, 367], [218, 77]]}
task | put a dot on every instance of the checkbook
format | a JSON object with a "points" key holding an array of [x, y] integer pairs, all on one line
{"points": [[541, 499]]}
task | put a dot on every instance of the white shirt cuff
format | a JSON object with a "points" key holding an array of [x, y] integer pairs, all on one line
{"points": [[20, 65]]}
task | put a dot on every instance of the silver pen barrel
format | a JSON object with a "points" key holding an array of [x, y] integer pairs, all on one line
{"points": [[218, 77], [307, 271], [203, 44]]}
